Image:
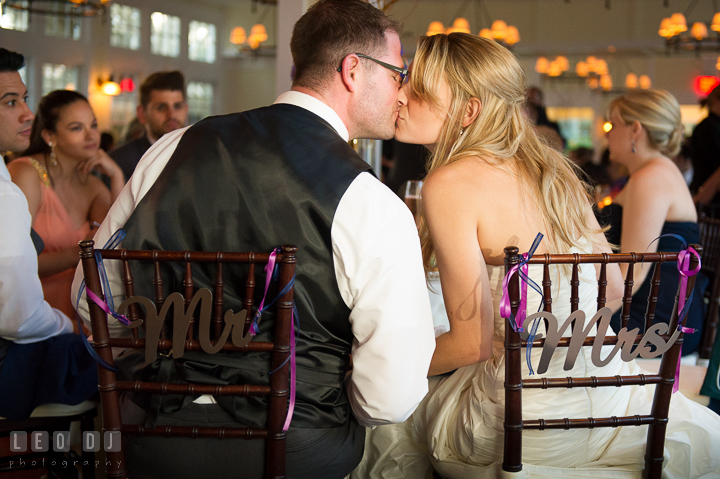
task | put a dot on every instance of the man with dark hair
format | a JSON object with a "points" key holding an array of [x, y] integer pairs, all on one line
{"points": [[285, 174], [163, 108], [41, 361]]}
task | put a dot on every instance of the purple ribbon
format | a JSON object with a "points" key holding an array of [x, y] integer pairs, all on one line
{"points": [[516, 321], [104, 306], [269, 268], [505, 308], [683, 265]]}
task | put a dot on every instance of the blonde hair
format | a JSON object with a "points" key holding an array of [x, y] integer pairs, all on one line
{"points": [[659, 114], [500, 135]]}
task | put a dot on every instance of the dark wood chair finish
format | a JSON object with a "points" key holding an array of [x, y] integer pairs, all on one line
{"points": [[279, 349], [664, 380], [710, 240]]}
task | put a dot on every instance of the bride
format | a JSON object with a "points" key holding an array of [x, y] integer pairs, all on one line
{"points": [[492, 183]]}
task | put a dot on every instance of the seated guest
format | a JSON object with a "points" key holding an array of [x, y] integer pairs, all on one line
{"points": [[41, 360], [494, 183], [162, 109], [285, 174], [646, 132], [65, 200]]}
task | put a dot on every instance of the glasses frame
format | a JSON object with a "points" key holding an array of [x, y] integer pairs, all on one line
{"points": [[400, 71]]}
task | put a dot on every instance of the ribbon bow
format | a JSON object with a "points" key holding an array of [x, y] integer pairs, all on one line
{"points": [[516, 322], [108, 307], [270, 274], [683, 266]]}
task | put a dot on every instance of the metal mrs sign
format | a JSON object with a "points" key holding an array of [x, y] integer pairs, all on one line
{"points": [[234, 323], [626, 339]]}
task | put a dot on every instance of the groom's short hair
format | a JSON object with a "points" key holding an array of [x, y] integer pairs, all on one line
{"points": [[329, 31]]}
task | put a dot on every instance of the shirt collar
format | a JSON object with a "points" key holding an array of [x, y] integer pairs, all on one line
{"points": [[313, 105], [4, 173]]}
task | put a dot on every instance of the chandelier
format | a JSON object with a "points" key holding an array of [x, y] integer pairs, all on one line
{"points": [[592, 71], [674, 30], [76, 8], [501, 32]]}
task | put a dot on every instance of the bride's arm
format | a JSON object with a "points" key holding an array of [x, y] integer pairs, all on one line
{"points": [[452, 221]]}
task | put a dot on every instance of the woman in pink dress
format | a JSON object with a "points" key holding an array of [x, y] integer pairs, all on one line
{"points": [[65, 200]]}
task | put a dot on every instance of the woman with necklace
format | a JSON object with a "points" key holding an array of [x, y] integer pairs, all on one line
{"points": [[655, 203], [65, 200]]}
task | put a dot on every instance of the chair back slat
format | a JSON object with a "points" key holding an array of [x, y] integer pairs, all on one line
{"points": [[602, 285], [189, 289], [547, 289], [249, 295], [218, 299], [663, 381], [627, 296], [574, 289], [653, 296], [277, 390], [130, 292]]}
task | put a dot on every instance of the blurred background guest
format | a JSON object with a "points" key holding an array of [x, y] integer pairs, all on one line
{"points": [[407, 164], [538, 114], [41, 360], [683, 160], [162, 109], [107, 141], [64, 199], [595, 175], [705, 144], [646, 132]]}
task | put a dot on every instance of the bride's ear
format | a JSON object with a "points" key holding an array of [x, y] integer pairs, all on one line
{"points": [[471, 111]]}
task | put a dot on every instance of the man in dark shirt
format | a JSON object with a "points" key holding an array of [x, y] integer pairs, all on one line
{"points": [[163, 108], [705, 147]]}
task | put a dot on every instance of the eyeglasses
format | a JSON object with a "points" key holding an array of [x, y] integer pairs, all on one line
{"points": [[400, 71]]}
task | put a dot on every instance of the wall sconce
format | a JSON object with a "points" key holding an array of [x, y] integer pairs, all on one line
{"points": [[109, 87]]}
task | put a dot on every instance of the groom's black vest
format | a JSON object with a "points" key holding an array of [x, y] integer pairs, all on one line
{"points": [[251, 182]]}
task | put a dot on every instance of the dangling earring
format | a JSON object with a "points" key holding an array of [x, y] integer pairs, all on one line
{"points": [[462, 131], [632, 142], [53, 158]]}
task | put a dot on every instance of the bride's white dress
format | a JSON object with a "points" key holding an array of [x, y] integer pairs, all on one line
{"points": [[458, 428]]}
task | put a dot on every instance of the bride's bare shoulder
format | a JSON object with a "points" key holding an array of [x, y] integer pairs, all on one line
{"points": [[471, 172]]}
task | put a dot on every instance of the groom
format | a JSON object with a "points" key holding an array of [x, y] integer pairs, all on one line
{"points": [[284, 174]]}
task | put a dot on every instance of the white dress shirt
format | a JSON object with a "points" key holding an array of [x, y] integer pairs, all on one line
{"points": [[25, 317], [378, 268]]}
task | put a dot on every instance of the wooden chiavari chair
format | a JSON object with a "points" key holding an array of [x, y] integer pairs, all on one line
{"points": [[663, 381], [278, 350]]}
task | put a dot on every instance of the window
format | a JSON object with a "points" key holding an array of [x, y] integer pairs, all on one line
{"points": [[122, 111], [201, 42], [576, 125], [165, 37], [200, 101], [13, 19], [62, 26], [125, 26], [58, 77]]}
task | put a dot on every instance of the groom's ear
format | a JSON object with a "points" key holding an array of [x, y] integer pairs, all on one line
{"points": [[349, 72], [472, 110]]}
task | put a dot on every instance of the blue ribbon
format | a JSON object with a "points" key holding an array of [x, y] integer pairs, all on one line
{"points": [[686, 307], [112, 243]]}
